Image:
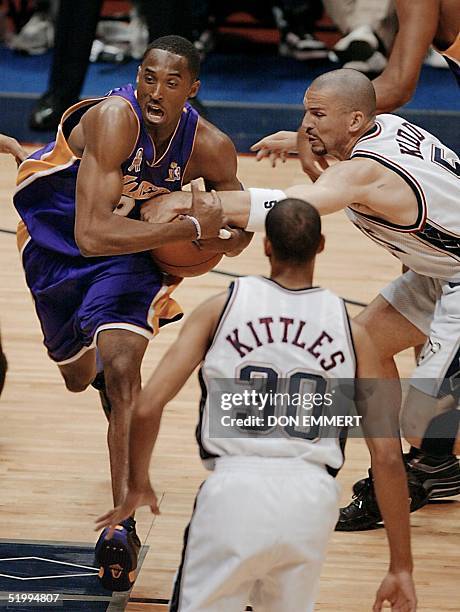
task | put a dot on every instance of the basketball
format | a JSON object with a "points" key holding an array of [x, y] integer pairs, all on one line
{"points": [[185, 259]]}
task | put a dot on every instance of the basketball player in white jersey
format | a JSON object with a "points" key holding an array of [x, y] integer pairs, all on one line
{"points": [[262, 520], [400, 186]]}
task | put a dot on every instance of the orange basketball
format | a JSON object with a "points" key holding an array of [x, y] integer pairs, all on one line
{"points": [[185, 259]]}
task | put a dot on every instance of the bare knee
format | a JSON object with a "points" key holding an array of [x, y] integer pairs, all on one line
{"points": [[75, 383], [79, 374], [388, 328]]}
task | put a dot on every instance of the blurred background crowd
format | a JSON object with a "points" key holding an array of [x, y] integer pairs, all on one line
{"points": [[351, 33]]}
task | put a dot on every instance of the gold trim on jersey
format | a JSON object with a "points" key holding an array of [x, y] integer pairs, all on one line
{"points": [[156, 161], [61, 155], [164, 307], [191, 153], [22, 235]]}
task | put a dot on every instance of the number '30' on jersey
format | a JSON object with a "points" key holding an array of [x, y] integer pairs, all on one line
{"points": [[295, 343]]}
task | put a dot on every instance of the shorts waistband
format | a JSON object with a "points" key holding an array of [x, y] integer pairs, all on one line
{"points": [[280, 465]]}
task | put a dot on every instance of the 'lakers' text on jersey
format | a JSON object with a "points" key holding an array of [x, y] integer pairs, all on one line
{"points": [[295, 341], [431, 245], [46, 191]]}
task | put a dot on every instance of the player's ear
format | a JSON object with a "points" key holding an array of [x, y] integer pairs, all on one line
{"points": [[322, 242], [357, 121], [194, 89], [267, 247], [138, 74]]}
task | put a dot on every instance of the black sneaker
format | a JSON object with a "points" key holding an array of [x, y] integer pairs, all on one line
{"points": [[407, 457], [440, 476], [363, 513], [48, 111], [99, 384], [117, 557]]}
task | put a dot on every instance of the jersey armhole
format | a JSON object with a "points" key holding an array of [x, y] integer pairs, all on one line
{"points": [[410, 180], [232, 291]]}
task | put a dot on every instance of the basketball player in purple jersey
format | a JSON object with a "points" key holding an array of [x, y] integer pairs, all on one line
{"points": [[12, 147], [89, 270]]}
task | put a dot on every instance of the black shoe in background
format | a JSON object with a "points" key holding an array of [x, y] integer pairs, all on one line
{"points": [[440, 476], [363, 512], [48, 111]]}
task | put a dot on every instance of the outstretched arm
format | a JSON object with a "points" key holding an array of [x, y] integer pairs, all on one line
{"points": [[339, 186], [379, 405], [186, 353], [418, 22]]}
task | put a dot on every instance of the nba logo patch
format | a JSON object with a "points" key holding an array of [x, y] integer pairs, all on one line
{"points": [[174, 173]]}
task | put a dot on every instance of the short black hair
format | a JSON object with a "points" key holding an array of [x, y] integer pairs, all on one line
{"points": [[179, 46], [293, 227]]}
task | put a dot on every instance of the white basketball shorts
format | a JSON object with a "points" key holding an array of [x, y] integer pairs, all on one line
{"points": [[258, 535], [432, 305]]}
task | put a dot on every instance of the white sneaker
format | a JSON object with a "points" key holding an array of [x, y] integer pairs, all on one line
{"points": [[36, 37], [374, 65], [138, 35], [305, 47], [435, 59], [359, 45], [205, 43]]}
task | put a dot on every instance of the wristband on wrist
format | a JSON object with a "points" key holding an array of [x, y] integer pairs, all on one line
{"points": [[197, 225], [262, 200]]}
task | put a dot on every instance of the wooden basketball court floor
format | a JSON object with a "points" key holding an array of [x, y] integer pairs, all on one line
{"points": [[53, 456]]}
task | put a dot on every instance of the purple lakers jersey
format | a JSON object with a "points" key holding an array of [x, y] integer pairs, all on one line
{"points": [[46, 184]]}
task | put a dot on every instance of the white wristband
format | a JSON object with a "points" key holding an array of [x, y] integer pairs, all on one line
{"points": [[197, 225], [262, 200]]}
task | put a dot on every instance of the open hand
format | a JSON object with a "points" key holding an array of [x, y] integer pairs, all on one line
{"points": [[276, 146], [133, 500], [398, 589], [12, 146]]}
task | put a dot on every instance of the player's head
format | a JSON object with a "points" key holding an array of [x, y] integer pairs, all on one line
{"points": [[339, 107], [167, 76], [293, 233]]}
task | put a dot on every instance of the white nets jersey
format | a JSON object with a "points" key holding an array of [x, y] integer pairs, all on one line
{"points": [[296, 343], [431, 246]]}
